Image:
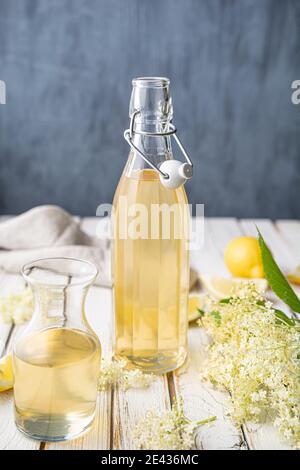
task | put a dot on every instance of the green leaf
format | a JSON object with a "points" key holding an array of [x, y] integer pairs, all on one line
{"points": [[201, 312], [281, 317], [276, 279], [206, 421], [216, 315], [225, 301]]}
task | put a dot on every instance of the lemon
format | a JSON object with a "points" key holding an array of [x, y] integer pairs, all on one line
{"points": [[243, 259], [195, 301], [295, 276], [6, 373], [221, 287]]}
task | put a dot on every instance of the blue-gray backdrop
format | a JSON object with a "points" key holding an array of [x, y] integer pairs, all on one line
{"points": [[68, 66]]}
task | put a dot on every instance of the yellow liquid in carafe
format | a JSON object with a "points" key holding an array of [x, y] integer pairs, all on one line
{"points": [[150, 279], [56, 372]]}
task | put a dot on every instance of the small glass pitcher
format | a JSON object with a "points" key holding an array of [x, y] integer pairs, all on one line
{"points": [[56, 360]]}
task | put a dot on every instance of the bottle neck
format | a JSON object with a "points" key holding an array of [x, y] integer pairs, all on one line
{"points": [[156, 149], [153, 146], [151, 111]]}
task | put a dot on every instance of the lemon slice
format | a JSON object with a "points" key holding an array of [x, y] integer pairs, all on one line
{"points": [[221, 287], [6, 373], [295, 276], [195, 301]]}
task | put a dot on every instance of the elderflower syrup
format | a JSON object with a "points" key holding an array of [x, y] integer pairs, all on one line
{"points": [[55, 389], [56, 361], [150, 231]]}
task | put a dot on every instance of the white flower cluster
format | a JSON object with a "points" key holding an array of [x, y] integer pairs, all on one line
{"points": [[169, 431], [255, 356], [114, 373], [16, 307]]}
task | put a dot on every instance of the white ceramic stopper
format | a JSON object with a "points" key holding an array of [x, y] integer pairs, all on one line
{"points": [[177, 171]]}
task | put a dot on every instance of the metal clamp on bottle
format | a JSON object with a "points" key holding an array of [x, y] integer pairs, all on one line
{"points": [[172, 173]]}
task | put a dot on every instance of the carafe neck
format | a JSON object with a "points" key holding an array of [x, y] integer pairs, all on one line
{"points": [[59, 307], [59, 287]]}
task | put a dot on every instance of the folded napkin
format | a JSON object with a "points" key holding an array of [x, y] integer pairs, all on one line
{"points": [[49, 231]]}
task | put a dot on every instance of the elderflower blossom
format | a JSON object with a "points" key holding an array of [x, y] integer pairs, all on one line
{"points": [[256, 358], [169, 431], [16, 307], [114, 373]]}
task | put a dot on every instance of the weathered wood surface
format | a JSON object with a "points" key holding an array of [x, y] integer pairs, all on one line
{"points": [[118, 411], [10, 437]]}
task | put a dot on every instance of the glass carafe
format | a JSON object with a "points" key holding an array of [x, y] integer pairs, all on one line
{"points": [[56, 360], [150, 230]]}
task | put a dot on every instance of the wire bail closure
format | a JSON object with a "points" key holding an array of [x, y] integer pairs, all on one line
{"points": [[128, 134]]}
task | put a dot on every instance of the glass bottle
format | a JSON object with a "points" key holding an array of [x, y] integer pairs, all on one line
{"points": [[56, 360], [150, 230]]}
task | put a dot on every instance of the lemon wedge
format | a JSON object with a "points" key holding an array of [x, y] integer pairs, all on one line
{"points": [[221, 287], [294, 277], [6, 373], [195, 301]]}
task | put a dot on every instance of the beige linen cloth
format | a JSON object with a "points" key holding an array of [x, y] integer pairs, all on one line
{"points": [[49, 231]]}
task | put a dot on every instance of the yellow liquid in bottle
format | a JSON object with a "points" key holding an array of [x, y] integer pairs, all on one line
{"points": [[151, 279], [56, 372]]}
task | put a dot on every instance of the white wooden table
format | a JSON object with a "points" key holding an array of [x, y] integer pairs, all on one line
{"points": [[118, 411]]}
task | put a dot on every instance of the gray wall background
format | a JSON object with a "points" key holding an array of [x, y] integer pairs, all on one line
{"points": [[68, 66]]}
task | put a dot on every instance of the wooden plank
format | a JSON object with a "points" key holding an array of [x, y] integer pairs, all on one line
{"points": [[202, 400], [264, 435], [10, 437], [98, 311], [280, 241], [205, 258], [222, 230], [130, 405], [5, 328], [99, 315], [9, 283], [273, 238], [290, 233]]}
